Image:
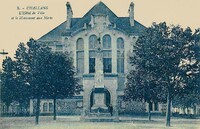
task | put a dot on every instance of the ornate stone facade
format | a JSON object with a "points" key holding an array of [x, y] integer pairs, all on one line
{"points": [[101, 69]]}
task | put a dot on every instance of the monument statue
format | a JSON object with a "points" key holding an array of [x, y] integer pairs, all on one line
{"points": [[99, 93], [99, 66]]}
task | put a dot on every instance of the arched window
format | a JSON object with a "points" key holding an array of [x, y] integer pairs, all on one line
{"points": [[80, 44], [120, 43], [80, 55], [120, 55], [92, 41], [107, 54], [92, 46], [106, 42]]}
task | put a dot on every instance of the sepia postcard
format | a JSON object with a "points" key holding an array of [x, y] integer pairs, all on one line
{"points": [[97, 64]]}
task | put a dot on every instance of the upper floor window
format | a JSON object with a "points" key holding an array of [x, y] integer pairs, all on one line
{"points": [[92, 41], [120, 43], [107, 61], [80, 61], [80, 55], [120, 55], [91, 61], [92, 47], [106, 42], [80, 44]]}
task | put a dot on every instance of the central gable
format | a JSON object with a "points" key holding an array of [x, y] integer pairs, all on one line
{"points": [[79, 24], [99, 9]]}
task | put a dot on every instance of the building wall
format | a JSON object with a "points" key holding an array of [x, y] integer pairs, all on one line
{"points": [[70, 44], [113, 82], [72, 106]]}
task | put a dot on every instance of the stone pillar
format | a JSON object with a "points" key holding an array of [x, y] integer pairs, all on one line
{"points": [[86, 101], [31, 107], [115, 106], [114, 55], [41, 106], [85, 105], [153, 106], [86, 55], [48, 106]]}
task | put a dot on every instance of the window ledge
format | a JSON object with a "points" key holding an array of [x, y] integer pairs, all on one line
{"points": [[105, 75]]}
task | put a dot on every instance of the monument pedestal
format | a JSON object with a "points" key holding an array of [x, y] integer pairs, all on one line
{"points": [[99, 97]]}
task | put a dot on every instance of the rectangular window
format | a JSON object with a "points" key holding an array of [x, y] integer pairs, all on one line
{"points": [[80, 62], [107, 62], [92, 62], [120, 62], [156, 106], [92, 65], [45, 107], [50, 107]]}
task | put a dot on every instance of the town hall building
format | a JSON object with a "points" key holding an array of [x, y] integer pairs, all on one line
{"points": [[100, 43]]}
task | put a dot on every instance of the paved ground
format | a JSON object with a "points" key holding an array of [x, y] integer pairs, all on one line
{"points": [[73, 122]]}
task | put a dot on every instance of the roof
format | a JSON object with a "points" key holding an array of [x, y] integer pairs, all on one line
{"points": [[122, 23], [56, 33]]}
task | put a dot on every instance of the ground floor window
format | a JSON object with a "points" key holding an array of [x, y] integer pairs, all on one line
{"points": [[45, 106], [156, 106], [50, 107]]}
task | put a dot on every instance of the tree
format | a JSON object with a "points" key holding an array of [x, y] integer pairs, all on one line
{"points": [[142, 83], [43, 74], [191, 97], [61, 80], [20, 68], [30, 72], [35, 63], [168, 55], [8, 93]]}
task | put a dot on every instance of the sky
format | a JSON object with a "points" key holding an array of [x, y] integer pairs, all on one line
{"points": [[13, 31]]}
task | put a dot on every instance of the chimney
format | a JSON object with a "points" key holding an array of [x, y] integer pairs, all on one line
{"points": [[131, 14], [69, 15]]}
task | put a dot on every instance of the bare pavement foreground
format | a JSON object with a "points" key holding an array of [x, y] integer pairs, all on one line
{"points": [[73, 122]]}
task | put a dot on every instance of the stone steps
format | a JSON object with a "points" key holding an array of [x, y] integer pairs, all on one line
{"points": [[100, 119], [99, 115]]}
